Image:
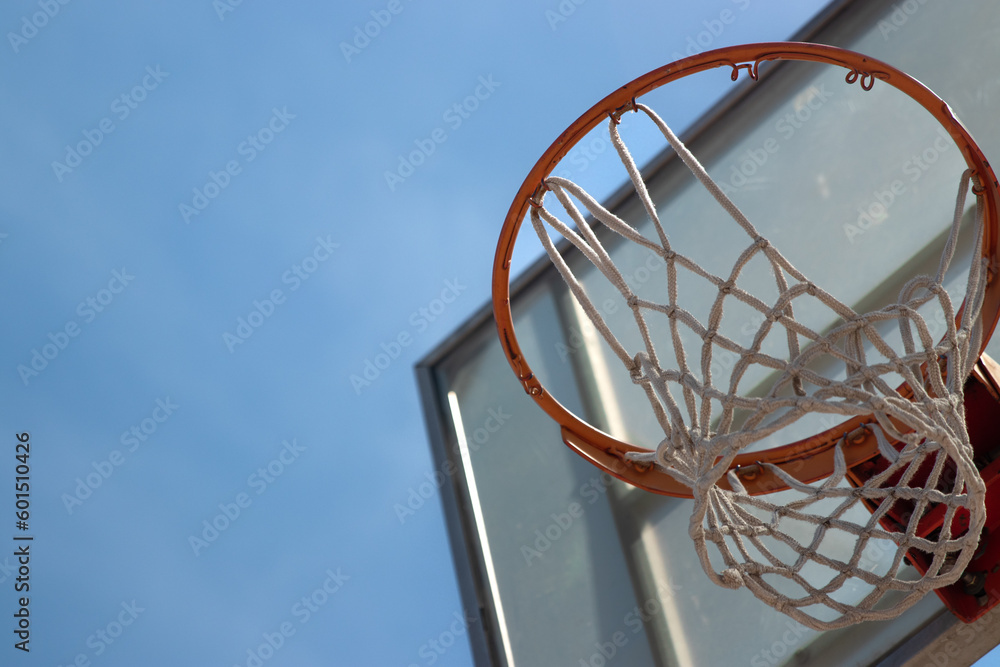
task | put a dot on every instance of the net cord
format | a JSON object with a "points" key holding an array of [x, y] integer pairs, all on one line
{"points": [[749, 531]]}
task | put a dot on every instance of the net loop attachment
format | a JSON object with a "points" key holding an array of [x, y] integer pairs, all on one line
{"points": [[616, 115], [858, 435], [750, 472], [536, 197]]}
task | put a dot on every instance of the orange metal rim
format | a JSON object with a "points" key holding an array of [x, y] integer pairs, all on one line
{"points": [[808, 459]]}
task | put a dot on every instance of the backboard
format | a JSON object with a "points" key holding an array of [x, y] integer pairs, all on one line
{"points": [[568, 566]]}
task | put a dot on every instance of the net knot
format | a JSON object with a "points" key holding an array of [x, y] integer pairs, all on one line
{"points": [[750, 386], [731, 578], [977, 185], [634, 369]]}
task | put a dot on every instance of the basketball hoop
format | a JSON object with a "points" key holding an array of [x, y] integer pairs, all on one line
{"points": [[924, 493]]}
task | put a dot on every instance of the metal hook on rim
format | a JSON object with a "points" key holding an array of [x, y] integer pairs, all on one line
{"points": [[751, 68], [749, 472], [867, 78]]}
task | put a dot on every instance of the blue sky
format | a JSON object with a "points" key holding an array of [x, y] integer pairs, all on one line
{"points": [[202, 246]]}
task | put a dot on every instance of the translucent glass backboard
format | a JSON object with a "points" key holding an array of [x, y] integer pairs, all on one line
{"points": [[567, 566]]}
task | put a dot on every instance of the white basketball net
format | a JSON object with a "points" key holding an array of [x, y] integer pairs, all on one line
{"points": [[774, 544]]}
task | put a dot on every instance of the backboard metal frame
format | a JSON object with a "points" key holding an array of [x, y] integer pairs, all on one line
{"points": [[941, 638]]}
